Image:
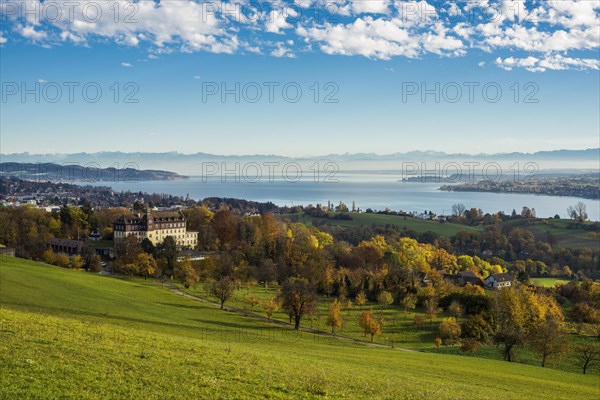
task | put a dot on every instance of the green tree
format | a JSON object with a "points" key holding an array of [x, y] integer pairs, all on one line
{"points": [[168, 253]]}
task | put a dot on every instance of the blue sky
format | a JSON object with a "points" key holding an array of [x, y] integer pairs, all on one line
{"points": [[373, 57]]}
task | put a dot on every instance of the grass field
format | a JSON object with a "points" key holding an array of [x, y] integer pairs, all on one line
{"points": [[565, 237], [68, 334], [549, 282], [398, 329], [418, 225]]}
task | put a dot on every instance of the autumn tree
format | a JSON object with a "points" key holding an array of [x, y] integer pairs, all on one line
{"points": [[251, 301], [449, 330], [334, 319], [146, 265], [62, 260], [361, 298], [349, 306], [469, 345], [455, 309], [222, 289], [369, 324], [298, 297], [77, 261], [548, 337], [186, 273], [409, 302], [385, 299], [270, 307], [431, 309], [49, 257], [520, 315]]}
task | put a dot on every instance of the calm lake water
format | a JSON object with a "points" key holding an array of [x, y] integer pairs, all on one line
{"points": [[367, 190]]}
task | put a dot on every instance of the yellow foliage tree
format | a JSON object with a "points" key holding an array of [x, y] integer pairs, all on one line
{"points": [[334, 319]]}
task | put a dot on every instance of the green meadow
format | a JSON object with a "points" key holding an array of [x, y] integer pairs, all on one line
{"points": [[73, 335], [549, 282], [418, 225]]}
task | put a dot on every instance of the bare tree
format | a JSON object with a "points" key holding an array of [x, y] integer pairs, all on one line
{"points": [[578, 212], [458, 209], [588, 355]]}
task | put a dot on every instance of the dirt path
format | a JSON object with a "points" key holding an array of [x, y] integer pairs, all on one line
{"points": [[246, 313]]}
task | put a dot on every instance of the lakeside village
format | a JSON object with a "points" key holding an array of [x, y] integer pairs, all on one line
{"points": [[92, 221]]}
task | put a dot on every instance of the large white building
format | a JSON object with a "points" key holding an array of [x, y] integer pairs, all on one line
{"points": [[156, 226]]}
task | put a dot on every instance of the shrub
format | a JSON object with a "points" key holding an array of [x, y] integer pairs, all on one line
{"points": [[449, 330]]}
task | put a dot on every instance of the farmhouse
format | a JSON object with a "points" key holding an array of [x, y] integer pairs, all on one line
{"points": [[499, 281], [155, 226]]}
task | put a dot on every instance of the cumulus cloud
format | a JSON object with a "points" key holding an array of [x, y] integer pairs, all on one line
{"points": [[126, 65], [552, 34], [370, 6], [548, 62]]}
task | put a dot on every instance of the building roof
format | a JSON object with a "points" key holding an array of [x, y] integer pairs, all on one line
{"points": [[156, 216], [503, 277], [65, 242], [470, 277]]}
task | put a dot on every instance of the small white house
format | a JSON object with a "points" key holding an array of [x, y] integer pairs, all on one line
{"points": [[499, 281]]}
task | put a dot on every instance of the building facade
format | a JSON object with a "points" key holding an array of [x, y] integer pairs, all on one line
{"points": [[499, 281], [155, 226]]}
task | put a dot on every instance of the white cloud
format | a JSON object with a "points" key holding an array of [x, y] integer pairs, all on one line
{"points": [[277, 20], [126, 65], [29, 32], [382, 38], [282, 51], [548, 62], [197, 77], [370, 6], [552, 32]]}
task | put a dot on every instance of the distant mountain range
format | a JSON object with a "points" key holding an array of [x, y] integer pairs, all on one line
{"points": [[191, 164], [74, 172]]}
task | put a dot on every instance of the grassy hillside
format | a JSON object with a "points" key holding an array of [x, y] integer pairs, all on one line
{"points": [[418, 225], [399, 328], [570, 237], [67, 334]]}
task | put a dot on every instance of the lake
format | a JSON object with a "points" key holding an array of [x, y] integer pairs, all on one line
{"points": [[367, 190]]}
